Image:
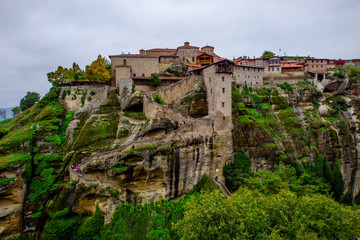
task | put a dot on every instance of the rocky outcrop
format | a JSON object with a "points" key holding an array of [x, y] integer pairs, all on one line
{"points": [[11, 202]]}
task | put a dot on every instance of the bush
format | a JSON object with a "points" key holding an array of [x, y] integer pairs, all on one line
{"points": [[63, 225], [158, 99], [154, 80], [253, 215]]}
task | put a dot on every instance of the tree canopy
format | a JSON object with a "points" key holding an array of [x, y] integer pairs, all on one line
{"points": [[98, 70], [29, 100], [154, 80], [267, 54]]}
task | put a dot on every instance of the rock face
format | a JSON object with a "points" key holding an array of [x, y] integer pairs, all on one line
{"points": [[11, 201], [112, 152], [296, 125]]}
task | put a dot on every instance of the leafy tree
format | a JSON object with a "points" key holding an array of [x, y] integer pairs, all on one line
{"points": [[236, 172], [16, 111], [154, 80], [29, 100], [285, 178], [252, 215], [63, 225], [267, 54], [337, 182], [206, 184], [97, 71], [91, 228], [144, 221]]}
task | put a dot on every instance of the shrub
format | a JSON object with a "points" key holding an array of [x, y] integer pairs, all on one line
{"points": [[154, 80], [158, 99]]}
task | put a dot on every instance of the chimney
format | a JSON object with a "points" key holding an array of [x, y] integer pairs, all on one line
{"points": [[186, 43], [142, 51]]}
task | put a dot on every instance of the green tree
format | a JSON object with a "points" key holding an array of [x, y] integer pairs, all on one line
{"points": [[97, 71], [154, 80], [29, 100], [267, 54], [337, 182], [326, 171], [236, 172], [62, 226], [252, 215], [16, 111], [319, 166], [91, 228]]}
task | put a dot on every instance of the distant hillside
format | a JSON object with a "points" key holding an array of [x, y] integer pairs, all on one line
{"points": [[9, 113]]}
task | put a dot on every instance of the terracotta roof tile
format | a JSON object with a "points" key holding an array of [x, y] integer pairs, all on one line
{"points": [[161, 50], [134, 56]]}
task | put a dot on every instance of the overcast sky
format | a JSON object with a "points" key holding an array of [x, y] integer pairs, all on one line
{"points": [[39, 35]]}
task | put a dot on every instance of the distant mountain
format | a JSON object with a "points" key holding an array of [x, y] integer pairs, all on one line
{"points": [[8, 112]]}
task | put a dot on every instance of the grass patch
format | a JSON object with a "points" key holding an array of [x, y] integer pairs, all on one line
{"points": [[13, 160]]}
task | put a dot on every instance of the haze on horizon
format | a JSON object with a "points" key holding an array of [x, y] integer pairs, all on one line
{"points": [[38, 36]]}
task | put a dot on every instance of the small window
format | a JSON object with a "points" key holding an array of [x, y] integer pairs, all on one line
{"points": [[223, 79], [193, 58], [210, 90], [134, 75], [143, 74], [124, 61], [173, 59], [223, 118], [183, 58], [223, 90], [164, 59], [223, 104]]}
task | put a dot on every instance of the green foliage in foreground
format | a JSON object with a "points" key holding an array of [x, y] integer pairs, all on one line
{"points": [[253, 215], [147, 221]]}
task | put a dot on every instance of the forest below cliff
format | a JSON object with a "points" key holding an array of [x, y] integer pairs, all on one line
{"points": [[294, 174]]}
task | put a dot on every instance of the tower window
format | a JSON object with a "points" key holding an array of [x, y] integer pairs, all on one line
{"points": [[124, 61], [223, 90], [223, 104], [223, 79]]}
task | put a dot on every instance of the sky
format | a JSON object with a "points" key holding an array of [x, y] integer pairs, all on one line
{"points": [[38, 36]]}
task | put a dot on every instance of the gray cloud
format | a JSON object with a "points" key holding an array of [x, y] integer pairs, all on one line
{"points": [[38, 36]]}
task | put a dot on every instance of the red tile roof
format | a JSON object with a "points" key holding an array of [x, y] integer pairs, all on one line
{"points": [[161, 50], [188, 46], [134, 56], [291, 65]]}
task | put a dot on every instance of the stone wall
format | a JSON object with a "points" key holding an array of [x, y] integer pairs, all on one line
{"points": [[122, 72], [139, 65], [248, 76], [125, 88], [73, 102], [218, 87], [176, 90]]}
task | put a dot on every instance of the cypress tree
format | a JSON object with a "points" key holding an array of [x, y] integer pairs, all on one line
{"points": [[326, 171], [337, 182], [319, 167]]}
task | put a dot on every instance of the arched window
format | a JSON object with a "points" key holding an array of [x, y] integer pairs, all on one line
{"points": [[134, 75], [124, 61]]}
